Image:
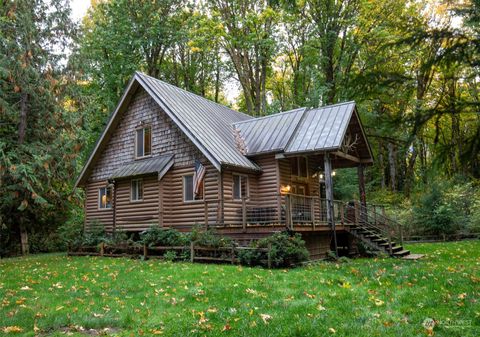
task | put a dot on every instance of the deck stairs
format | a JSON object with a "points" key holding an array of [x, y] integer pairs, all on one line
{"points": [[375, 230]]}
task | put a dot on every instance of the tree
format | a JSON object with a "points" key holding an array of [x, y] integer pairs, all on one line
{"points": [[37, 131], [247, 30]]}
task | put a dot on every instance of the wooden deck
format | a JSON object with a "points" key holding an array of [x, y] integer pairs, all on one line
{"points": [[272, 228]]}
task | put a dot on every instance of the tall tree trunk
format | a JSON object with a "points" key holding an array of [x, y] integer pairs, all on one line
{"points": [[22, 126], [381, 161], [24, 238], [410, 168], [217, 80], [392, 165]]}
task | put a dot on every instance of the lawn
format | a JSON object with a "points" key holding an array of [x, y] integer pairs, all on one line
{"points": [[51, 295]]}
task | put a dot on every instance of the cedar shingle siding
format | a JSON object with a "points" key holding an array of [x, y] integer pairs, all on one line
{"points": [[167, 138]]}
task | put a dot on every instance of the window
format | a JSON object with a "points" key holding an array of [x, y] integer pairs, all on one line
{"points": [[299, 189], [143, 142], [188, 194], [136, 190], [299, 167], [240, 186], [105, 197]]}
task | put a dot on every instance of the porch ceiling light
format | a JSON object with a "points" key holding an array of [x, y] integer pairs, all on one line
{"points": [[285, 189]]}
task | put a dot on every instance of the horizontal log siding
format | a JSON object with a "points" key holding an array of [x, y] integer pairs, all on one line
{"points": [[233, 208], [285, 171], [267, 182], [137, 215], [183, 215], [167, 138], [92, 213]]}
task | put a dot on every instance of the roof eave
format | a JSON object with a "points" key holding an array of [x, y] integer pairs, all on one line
{"points": [[182, 127], [81, 180]]}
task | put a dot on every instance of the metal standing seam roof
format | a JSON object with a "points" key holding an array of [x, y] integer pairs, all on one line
{"points": [[321, 128], [159, 165], [269, 133], [213, 127], [208, 124]]}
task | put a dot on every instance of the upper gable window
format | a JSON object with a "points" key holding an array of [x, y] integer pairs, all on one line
{"points": [[300, 167], [143, 140]]}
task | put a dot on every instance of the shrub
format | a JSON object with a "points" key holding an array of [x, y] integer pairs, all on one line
{"points": [[435, 214], [474, 224], [40, 242], [209, 238], [71, 232], [157, 236], [95, 235], [286, 250], [170, 255]]}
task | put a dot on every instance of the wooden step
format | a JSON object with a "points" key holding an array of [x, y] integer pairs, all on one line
{"points": [[401, 253], [395, 249]]}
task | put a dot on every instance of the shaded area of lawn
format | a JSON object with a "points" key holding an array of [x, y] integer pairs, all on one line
{"points": [[49, 294]]}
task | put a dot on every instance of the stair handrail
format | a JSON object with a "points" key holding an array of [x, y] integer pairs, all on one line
{"points": [[393, 226], [370, 221]]}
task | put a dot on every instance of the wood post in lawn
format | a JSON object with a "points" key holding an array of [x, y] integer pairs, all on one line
{"points": [[390, 241], [192, 252], [145, 251], [102, 248]]}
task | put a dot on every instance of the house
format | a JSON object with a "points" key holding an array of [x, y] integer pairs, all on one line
{"points": [[174, 159]]}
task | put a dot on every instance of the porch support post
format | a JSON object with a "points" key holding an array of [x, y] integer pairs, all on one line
{"points": [[361, 185], [114, 211], [329, 197]]}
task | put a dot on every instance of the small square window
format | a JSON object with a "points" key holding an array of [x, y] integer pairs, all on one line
{"points": [[136, 190], [240, 186], [188, 194], [143, 142], [105, 197]]}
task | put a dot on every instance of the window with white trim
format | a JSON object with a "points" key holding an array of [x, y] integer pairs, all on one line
{"points": [[188, 193], [105, 197], [143, 142], [240, 186], [136, 190]]}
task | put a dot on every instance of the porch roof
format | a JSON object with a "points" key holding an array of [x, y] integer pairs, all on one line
{"points": [[335, 128], [160, 165]]}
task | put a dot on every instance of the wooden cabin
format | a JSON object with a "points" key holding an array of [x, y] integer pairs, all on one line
{"points": [[261, 175]]}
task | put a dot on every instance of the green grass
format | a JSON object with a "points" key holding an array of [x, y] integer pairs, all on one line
{"points": [[52, 294]]}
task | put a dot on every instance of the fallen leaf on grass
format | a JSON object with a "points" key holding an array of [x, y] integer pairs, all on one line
{"points": [[226, 327], [265, 318], [12, 329]]}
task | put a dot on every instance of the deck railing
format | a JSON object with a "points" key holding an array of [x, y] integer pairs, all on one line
{"points": [[286, 209]]}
